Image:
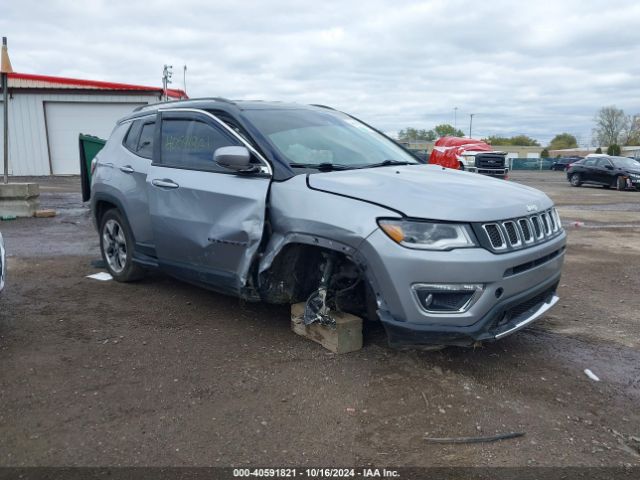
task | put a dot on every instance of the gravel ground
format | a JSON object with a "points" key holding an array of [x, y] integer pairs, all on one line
{"points": [[163, 373]]}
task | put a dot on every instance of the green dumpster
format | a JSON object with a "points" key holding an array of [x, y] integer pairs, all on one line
{"points": [[89, 148]]}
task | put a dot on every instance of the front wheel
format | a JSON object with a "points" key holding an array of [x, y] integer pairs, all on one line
{"points": [[116, 246], [575, 180], [621, 183]]}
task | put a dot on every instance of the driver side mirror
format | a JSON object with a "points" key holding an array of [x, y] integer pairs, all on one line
{"points": [[234, 158]]}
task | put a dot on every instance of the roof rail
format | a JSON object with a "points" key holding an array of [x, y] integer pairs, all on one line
{"points": [[215, 99], [322, 106]]}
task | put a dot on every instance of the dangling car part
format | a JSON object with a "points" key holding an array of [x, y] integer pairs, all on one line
{"points": [[317, 307]]}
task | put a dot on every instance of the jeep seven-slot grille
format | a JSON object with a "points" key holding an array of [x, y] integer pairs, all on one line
{"points": [[522, 232], [512, 234], [524, 228], [495, 237]]}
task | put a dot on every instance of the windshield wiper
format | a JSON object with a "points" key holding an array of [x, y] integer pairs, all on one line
{"points": [[323, 167], [387, 163]]}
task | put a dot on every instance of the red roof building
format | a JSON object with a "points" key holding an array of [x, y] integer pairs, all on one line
{"points": [[47, 113]]}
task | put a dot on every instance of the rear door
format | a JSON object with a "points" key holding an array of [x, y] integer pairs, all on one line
{"points": [[207, 220], [588, 170], [131, 169]]}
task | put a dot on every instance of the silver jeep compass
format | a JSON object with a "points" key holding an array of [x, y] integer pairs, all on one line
{"points": [[287, 203]]}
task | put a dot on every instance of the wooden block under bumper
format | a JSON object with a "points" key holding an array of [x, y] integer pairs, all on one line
{"points": [[345, 337]]}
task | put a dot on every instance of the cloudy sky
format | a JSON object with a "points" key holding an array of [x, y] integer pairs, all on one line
{"points": [[523, 67]]}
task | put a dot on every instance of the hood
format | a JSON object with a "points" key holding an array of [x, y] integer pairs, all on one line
{"points": [[433, 192]]}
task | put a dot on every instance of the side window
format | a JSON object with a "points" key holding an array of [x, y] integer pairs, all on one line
{"points": [[145, 144], [602, 162], [131, 140], [589, 162], [190, 143]]}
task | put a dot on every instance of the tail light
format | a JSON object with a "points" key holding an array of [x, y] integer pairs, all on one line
{"points": [[94, 163]]}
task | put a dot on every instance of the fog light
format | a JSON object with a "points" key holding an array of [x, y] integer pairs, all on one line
{"points": [[446, 298]]}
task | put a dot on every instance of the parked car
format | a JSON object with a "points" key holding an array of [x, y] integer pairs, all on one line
{"points": [[3, 263], [288, 203], [608, 171], [563, 163]]}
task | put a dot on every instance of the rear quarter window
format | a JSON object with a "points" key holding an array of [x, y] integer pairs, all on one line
{"points": [[131, 138]]}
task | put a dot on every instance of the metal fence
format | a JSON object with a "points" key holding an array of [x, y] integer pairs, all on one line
{"points": [[529, 163]]}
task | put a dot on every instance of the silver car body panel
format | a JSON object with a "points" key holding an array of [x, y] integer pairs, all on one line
{"points": [[209, 228], [433, 192], [131, 171], [397, 268], [299, 214]]}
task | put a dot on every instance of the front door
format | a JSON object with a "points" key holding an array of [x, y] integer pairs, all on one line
{"points": [[604, 171], [207, 220]]}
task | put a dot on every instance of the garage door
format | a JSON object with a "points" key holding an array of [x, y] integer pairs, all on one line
{"points": [[65, 121]]}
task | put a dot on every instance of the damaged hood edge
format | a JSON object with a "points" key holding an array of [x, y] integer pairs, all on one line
{"points": [[432, 192]]}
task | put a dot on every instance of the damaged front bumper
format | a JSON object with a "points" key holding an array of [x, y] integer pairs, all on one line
{"points": [[502, 320], [508, 301]]}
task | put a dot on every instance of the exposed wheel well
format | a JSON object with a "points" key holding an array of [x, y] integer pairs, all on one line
{"points": [[296, 272]]}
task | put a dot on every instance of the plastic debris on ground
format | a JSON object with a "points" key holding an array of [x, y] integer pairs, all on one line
{"points": [[102, 276], [591, 375]]}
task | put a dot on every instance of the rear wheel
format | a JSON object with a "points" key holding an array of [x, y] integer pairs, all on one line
{"points": [[621, 183], [116, 246], [575, 180]]}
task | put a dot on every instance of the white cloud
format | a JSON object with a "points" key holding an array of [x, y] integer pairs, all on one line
{"points": [[537, 68]]}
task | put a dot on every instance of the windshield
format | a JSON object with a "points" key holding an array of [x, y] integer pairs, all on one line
{"points": [[318, 139], [623, 162]]}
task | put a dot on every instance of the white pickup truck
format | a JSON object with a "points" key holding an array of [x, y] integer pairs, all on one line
{"points": [[470, 155]]}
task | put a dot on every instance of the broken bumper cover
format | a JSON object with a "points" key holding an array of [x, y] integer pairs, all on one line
{"points": [[504, 319], [516, 289]]}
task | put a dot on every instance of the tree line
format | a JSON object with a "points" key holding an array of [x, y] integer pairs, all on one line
{"points": [[613, 128]]}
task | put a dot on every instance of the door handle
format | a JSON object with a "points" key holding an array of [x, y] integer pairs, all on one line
{"points": [[164, 183], [127, 169]]}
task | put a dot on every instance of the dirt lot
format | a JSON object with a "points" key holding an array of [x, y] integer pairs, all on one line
{"points": [[163, 373]]}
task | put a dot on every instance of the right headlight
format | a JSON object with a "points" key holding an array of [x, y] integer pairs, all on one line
{"points": [[426, 235]]}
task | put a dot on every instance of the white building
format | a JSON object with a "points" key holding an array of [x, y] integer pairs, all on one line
{"points": [[46, 115]]}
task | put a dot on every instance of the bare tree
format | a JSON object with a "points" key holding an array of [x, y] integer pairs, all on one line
{"points": [[611, 126], [633, 133]]}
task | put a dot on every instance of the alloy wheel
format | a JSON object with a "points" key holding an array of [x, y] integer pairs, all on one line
{"points": [[114, 245]]}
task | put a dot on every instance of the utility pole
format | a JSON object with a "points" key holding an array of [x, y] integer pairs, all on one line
{"points": [[470, 123], [455, 117], [167, 73], [5, 70], [184, 78]]}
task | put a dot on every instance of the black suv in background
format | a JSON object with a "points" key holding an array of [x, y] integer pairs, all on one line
{"points": [[563, 163], [608, 171]]}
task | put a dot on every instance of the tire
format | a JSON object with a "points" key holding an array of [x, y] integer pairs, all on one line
{"points": [[575, 180], [461, 166], [621, 184], [116, 246]]}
